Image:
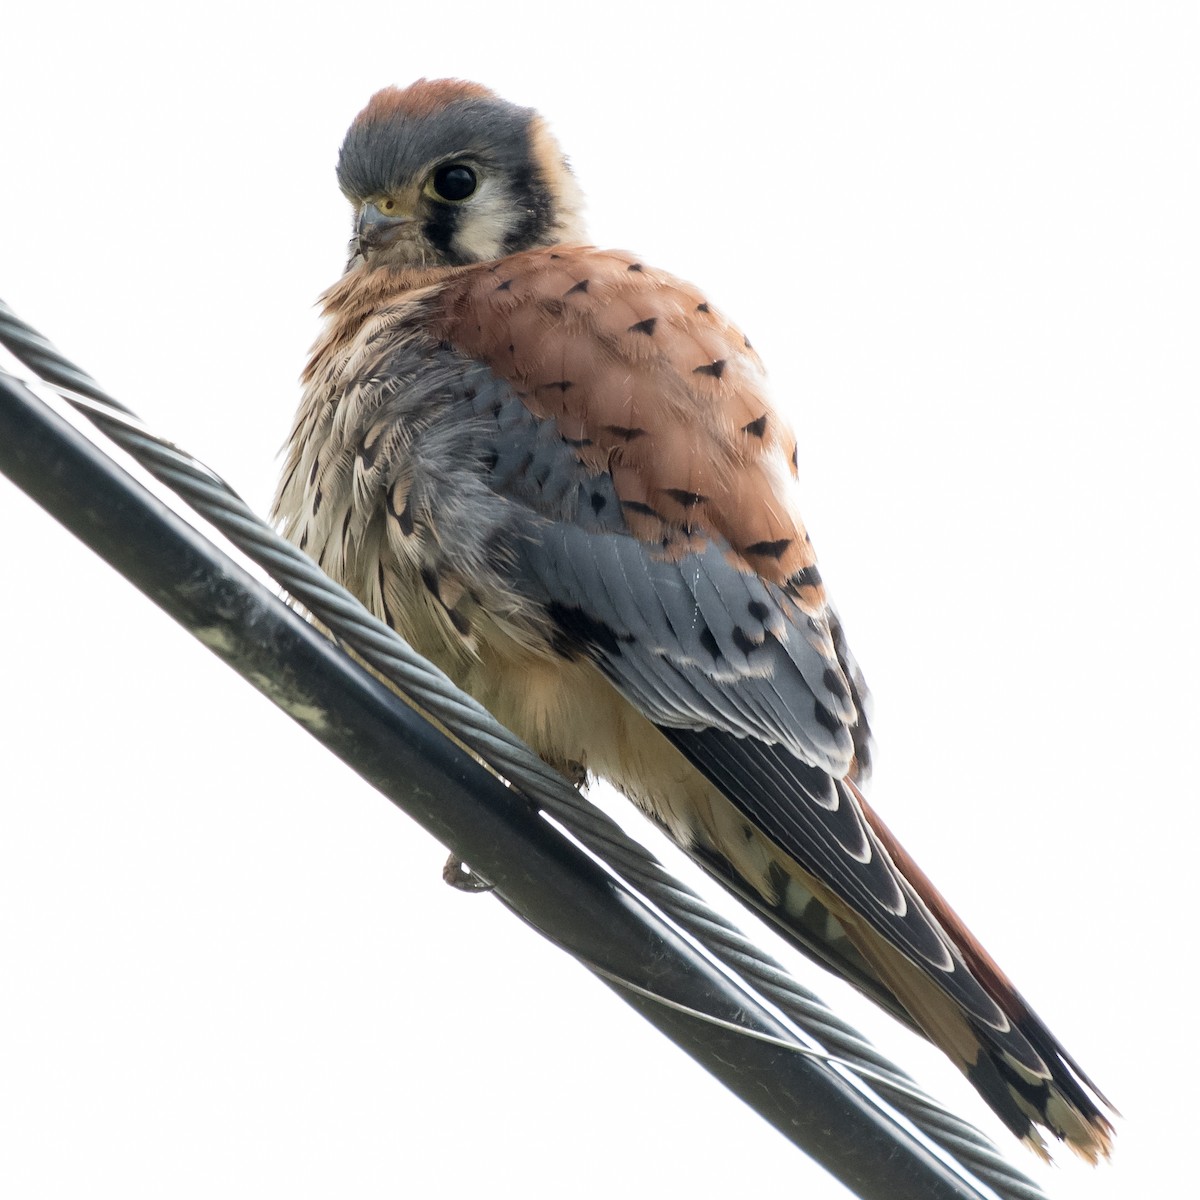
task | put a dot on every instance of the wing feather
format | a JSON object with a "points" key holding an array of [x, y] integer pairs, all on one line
{"points": [[736, 665], [642, 508]]}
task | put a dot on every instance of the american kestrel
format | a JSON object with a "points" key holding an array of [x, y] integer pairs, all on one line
{"points": [[556, 472]]}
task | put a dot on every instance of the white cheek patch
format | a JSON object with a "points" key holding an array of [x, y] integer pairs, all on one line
{"points": [[485, 223]]}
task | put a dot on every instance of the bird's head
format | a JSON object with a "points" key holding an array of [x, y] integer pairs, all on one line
{"points": [[445, 173]]}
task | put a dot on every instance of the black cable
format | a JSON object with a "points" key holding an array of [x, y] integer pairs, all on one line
{"points": [[380, 646]]}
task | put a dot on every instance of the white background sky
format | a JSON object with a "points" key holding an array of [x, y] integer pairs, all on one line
{"points": [[964, 239]]}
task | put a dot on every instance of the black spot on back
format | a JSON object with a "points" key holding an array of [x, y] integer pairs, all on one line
{"points": [[626, 432], [646, 326], [774, 550], [685, 498], [756, 428], [578, 289], [636, 506], [716, 368]]}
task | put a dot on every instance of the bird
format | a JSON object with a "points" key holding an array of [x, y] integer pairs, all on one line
{"points": [[556, 471]]}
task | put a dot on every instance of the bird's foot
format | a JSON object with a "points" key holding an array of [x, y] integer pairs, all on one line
{"points": [[458, 875]]}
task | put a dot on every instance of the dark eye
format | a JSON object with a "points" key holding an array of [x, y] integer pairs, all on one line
{"points": [[454, 182]]}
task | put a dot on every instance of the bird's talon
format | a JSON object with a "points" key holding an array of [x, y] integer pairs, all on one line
{"points": [[458, 875]]}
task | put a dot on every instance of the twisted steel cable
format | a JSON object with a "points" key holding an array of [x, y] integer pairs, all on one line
{"points": [[466, 720]]}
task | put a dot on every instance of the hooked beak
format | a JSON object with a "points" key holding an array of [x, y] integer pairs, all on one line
{"points": [[377, 229]]}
